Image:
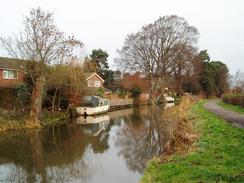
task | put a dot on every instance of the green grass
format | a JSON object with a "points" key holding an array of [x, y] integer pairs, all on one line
{"points": [[54, 118], [234, 108], [11, 122], [219, 156]]}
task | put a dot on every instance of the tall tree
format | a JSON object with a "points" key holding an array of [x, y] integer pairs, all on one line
{"points": [[100, 57], [155, 49], [42, 42], [183, 66], [221, 78], [204, 56], [207, 79], [214, 78]]}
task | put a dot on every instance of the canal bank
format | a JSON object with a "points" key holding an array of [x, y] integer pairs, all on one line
{"points": [[217, 156]]}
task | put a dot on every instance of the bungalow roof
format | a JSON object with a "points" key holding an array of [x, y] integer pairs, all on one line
{"points": [[90, 74], [10, 63]]}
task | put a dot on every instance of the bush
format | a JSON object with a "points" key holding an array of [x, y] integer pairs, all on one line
{"points": [[22, 93], [135, 92], [234, 99]]}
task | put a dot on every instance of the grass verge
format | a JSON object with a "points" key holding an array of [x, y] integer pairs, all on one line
{"points": [[231, 107], [54, 118], [219, 156], [8, 122], [14, 124]]}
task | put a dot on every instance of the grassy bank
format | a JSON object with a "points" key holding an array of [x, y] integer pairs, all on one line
{"points": [[231, 107], [13, 124], [8, 122], [219, 154], [54, 118]]}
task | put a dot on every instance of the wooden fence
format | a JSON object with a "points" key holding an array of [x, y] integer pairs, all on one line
{"points": [[120, 102], [116, 104]]}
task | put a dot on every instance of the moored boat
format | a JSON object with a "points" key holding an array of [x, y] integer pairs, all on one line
{"points": [[169, 99], [104, 118], [92, 106]]}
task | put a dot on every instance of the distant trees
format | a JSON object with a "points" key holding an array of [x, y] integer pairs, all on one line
{"points": [[43, 43], [156, 50], [98, 62], [208, 77], [183, 66], [165, 53], [237, 81], [214, 78], [135, 83]]}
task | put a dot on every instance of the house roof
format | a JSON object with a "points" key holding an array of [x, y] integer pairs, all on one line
{"points": [[9, 63], [90, 74]]}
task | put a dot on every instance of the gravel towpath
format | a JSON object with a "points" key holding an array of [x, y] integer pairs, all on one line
{"points": [[232, 117]]}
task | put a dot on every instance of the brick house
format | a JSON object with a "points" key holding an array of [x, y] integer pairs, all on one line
{"points": [[11, 73], [94, 80]]}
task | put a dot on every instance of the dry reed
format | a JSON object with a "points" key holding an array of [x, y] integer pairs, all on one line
{"points": [[180, 130]]}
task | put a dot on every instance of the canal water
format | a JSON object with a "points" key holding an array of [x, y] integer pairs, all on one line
{"points": [[115, 150]]}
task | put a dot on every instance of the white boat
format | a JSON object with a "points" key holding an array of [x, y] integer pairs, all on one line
{"points": [[94, 125], [169, 104], [89, 111], [92, 106], [169, 99], [92, 119]]}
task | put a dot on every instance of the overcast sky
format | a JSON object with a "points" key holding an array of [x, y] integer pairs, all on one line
{"points": [[105, 23]]}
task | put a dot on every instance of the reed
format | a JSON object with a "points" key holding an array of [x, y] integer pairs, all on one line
{"points": [[179, 128]]}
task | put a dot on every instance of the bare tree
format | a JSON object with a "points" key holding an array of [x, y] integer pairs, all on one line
{"points": [[155, 49], [183, 66], [237, 81], [42, 42]]}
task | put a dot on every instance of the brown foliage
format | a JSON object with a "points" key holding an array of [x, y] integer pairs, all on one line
{"points": [[89, 65], [234, 99], [66, 80], [179, 127], [137, 80]]}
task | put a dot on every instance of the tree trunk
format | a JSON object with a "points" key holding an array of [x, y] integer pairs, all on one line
{"points": [[54, 98], [37, 154], [37, 97], [59, 96]]}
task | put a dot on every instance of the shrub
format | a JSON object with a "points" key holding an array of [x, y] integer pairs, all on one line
{"points": [[135, 92], [234, 99], [22, 93]]}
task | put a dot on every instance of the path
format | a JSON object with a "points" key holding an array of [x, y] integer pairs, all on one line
{"points": [[233, 117]]}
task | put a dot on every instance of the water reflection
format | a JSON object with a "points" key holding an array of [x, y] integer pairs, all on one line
{"points": [[115, 150], [138, 139]]}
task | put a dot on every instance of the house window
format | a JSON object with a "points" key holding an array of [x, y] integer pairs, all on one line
{"points": [[97, 84], [10, 74], [89, 83]]}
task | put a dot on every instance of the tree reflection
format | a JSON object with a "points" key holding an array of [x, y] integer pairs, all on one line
{"points": [[140, 138], [69, 153], [56, 154]]}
